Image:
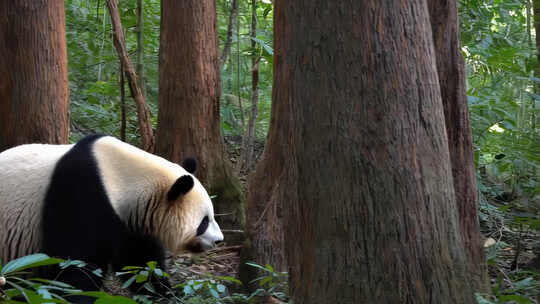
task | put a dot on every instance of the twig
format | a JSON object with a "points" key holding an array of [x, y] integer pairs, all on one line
{"points": [[232, 231]]}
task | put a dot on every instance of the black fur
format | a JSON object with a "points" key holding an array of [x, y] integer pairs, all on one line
{"points": [[182, 185], [78, 222], [202, 226], [190, 164]]}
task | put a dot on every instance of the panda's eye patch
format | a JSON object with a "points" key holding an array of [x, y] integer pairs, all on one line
{"points": [[203, 226]]}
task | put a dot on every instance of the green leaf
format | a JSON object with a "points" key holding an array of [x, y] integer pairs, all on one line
{"points": [[98, 272], [516, 298], [44, 293], [141, 278], [228, 279], [76, 263], [256, 266], [115, 300], [152, 265], [128, 282], [132, 267], [221, 288], [52, 282], [95, 294], [214, 293], [188, 290], [30, 261], [265, 281], [265, 46], [527, 282], [158, 272]]}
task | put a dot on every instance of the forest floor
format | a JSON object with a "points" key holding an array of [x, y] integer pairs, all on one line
{"points": [[511, 248]]}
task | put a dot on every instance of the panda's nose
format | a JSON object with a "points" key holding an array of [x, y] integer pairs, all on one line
{"points": [[218, 242]]}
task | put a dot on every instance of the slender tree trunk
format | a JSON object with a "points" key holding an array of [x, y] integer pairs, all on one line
{"points": [[34, 97], [259, 247], [122, 103], [451, 71], [536, 17], [249, 136], [140, 46], [189, 122], [363, 160], [143, 113], [228, 42]]}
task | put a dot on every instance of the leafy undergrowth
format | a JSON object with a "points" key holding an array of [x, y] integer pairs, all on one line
{"points": [[512, 225], [188, 283]]}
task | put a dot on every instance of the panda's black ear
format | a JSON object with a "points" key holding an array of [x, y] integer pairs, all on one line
{"points": [[182, 186], [190, 164]]}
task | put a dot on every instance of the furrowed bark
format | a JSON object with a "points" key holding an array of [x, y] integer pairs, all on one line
{"points": [[451, 72], [34, 96]]}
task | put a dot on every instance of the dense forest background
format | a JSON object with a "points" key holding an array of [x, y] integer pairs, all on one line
{"points": [[94, 65], [501, 49]]}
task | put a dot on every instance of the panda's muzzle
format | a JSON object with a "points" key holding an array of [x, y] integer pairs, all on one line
{"points": [[208, 236], [199, 244]]}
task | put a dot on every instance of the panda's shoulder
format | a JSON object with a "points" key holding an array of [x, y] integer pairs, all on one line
{"points": [[114, 154]]}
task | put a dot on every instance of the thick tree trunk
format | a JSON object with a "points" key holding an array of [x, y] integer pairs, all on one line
{"points": [[143, 114], [228, 42], [358, 155], [34, 98], [188, 119], [451, 71]]}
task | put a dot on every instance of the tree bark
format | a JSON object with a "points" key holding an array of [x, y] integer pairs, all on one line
{"points": [[452, 80], [358, 152], [143, 114], [188, 118], [34, 97], [228, 42]]}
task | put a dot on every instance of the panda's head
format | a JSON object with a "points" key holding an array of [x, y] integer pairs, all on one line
{"points": [[191, 210]]}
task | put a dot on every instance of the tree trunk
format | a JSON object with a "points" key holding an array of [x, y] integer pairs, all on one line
{"points": [[140, 46], [265, 237], [248, 139], [358, 152], [451, 71], [123, 121], [143, 114], [188, 119], [228, 42], [536, 18], [34, 97]]}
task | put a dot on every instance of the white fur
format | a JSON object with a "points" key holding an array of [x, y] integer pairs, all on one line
{"points": [[25, 172], [211, 235]]}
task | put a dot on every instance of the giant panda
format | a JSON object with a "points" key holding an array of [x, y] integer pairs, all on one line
{"points": [[102, 201]]}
